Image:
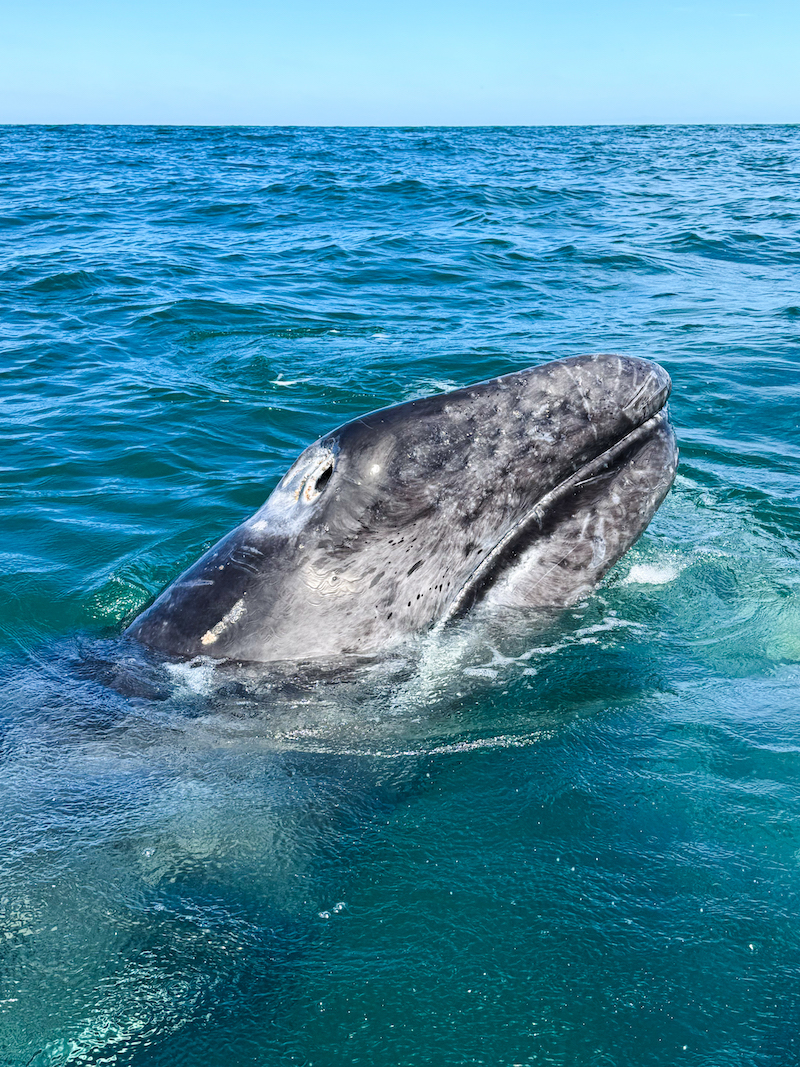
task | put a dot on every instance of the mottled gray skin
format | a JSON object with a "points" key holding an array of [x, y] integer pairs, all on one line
{"points": [[521, 491]]}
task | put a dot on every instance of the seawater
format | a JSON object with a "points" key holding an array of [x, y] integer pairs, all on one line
{"points": [[567, 845]]}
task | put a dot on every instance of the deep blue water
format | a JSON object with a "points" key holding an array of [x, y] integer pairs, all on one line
{"points": [[577, 847]]}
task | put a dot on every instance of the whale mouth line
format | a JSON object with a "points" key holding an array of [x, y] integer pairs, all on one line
{"points": [[484, 574]]}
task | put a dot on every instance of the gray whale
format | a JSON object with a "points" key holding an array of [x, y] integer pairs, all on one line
{"points": [[517, 492]]}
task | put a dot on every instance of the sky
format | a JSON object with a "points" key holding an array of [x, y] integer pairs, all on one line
{"points": [[399, 62]]}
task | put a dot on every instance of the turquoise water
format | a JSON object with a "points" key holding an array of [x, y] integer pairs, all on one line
{"points": [[576, 845]]}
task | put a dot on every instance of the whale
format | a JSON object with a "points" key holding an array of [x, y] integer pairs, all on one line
{"points": [[519, 492]]}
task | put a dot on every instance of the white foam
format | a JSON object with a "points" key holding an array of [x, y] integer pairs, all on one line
{"points": [[604, 627], [652, 574], [197, 675]]}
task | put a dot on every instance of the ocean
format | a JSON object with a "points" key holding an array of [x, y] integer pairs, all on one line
{"points": [[576, 845]]}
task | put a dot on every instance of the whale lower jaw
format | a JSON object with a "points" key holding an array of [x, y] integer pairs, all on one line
{"points": [[562, 547]]}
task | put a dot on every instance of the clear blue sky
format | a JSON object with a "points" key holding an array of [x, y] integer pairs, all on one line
{"points": [[398, 62]]}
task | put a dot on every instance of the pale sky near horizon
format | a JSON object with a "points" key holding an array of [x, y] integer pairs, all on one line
{"points": [[422, 62]]}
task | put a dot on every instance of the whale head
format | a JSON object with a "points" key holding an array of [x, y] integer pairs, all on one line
{"points": [[521, 491]]}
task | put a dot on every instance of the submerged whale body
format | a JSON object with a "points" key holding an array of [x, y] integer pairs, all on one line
{"points": [[521, 491]]}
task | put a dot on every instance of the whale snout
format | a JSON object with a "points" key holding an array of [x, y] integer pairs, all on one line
{"points": [[649, 391]]}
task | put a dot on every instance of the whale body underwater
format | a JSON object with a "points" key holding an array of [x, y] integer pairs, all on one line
{"points": [[516, 492]]}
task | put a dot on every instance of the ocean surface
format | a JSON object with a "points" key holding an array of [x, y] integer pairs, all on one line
{"points": [[577, 846]]}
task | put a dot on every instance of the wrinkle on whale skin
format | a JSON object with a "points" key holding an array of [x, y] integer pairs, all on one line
{"points": [[520, 491]]}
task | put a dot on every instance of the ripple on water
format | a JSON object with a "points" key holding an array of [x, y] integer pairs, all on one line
{"points": [[538, 838]]}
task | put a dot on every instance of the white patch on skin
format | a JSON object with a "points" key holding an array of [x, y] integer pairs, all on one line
{"points": [[375, 468], [330, 584], [598, 551], [236, 612]]}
